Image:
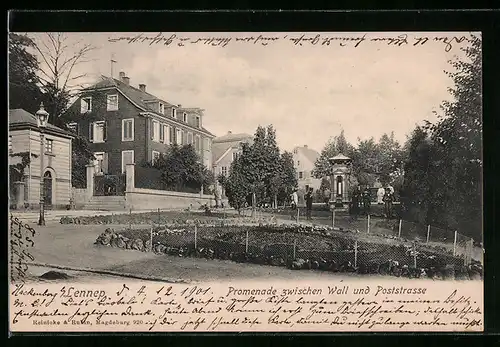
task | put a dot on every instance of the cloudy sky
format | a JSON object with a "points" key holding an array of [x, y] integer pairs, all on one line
{"points": [[309, 92]]}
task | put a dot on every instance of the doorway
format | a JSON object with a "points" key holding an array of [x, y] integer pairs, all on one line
{"points": [[47, 189]]}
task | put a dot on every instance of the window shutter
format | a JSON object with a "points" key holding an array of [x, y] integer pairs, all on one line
{"points": [[105, 163], [172, 134], [104, 131], [91, 132], [162, 132], [151, 128]]}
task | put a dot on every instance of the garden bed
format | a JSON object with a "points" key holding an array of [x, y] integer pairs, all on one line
{"points": [[296, 247]]}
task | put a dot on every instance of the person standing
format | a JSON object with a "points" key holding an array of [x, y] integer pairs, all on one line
{"points": [[355, 202], [309, 202], [295, 203], [388, 199], [366, 200]]}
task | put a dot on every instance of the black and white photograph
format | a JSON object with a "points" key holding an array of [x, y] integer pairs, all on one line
{"points": [[344, 158]]}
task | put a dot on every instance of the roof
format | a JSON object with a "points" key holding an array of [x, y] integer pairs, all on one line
{"points": [[309, 153], [137, 96], [230, 137], [219, 148], [19, 118], [340, 157]]}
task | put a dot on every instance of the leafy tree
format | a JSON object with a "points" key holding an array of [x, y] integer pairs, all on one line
{"points": [[288, 178], [335, 146], [237, 185], [60, 84], [454, 196], [24, 91], [182, 170]]}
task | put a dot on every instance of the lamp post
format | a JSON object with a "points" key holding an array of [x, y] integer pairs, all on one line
{"points": [[42, 117]]}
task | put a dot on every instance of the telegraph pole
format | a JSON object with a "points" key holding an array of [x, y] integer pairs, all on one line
{"points": [[113, 61]]}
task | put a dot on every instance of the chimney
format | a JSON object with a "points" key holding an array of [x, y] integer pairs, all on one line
{"points": [[229, 132], [180, 106], [126, 80], [122, 75], [142, 87], [305, 146]]}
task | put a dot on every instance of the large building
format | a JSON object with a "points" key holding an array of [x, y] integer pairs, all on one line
{"points": [[126, 124], [25, 140], [304, 159]]}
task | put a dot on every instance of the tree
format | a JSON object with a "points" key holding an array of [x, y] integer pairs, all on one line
{"points": [[24, 91], [260, 169], [60, 84], [182, 170], [454, 145], [335, 146]]}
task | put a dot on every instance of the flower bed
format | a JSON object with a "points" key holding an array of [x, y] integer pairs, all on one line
{"points": [[296, 247]]}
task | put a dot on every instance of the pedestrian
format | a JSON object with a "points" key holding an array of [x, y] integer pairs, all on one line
{"points": [[295, 203], [366, 200], [355, 202], [388, 199], [309, 202]]}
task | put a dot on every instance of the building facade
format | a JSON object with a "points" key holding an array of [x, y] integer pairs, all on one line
{"points": [[225, 149], [125, 124], [25, 139], [304, 159]]}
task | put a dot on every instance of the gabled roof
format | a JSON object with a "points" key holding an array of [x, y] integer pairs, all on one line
{"points": [[309, 153], [230, 137], [141, 98], [221, 145], [19, 118], [340, 157]]}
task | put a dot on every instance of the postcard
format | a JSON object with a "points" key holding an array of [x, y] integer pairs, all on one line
{"points": [[245, 182]]}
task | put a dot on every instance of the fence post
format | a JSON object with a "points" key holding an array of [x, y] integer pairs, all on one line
{"points": [[355, 253], [294, 248], [298, 213], [195, 237], [428, 233], [246, 242], [151, 235], [399, 229], [455, 243], [158, 215], [130, 219], [368, 224], [333, 217]]}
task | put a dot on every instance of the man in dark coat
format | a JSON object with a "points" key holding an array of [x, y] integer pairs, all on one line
{"points": [[366, 200], [355, 202], [388, 199], [309, 202]]}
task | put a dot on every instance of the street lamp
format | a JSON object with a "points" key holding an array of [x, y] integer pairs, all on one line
{"points": [[42, 118]]}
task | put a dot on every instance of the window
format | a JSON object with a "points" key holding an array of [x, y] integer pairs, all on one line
{"points": [[235, 155], [100, 163], [86, 104], [128, 129], [198, 122], [197, 144], [162, 108], [224, 171], [301, 175], [207, 144], [190, 138], [97, 131], [112, 102], [298, 162], [174, 113], [185, 117], [155, 157], [49, 145], [156, 131], [162, 133], [166, 134], [172, 135], [10, 144], [295, 151], [178, 136], [127, 158], [73, 127]]}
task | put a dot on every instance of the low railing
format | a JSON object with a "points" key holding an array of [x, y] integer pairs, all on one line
{"points": [[110, 185]]}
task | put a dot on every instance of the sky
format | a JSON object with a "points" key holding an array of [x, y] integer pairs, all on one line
{"points": [[309, 91]]}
